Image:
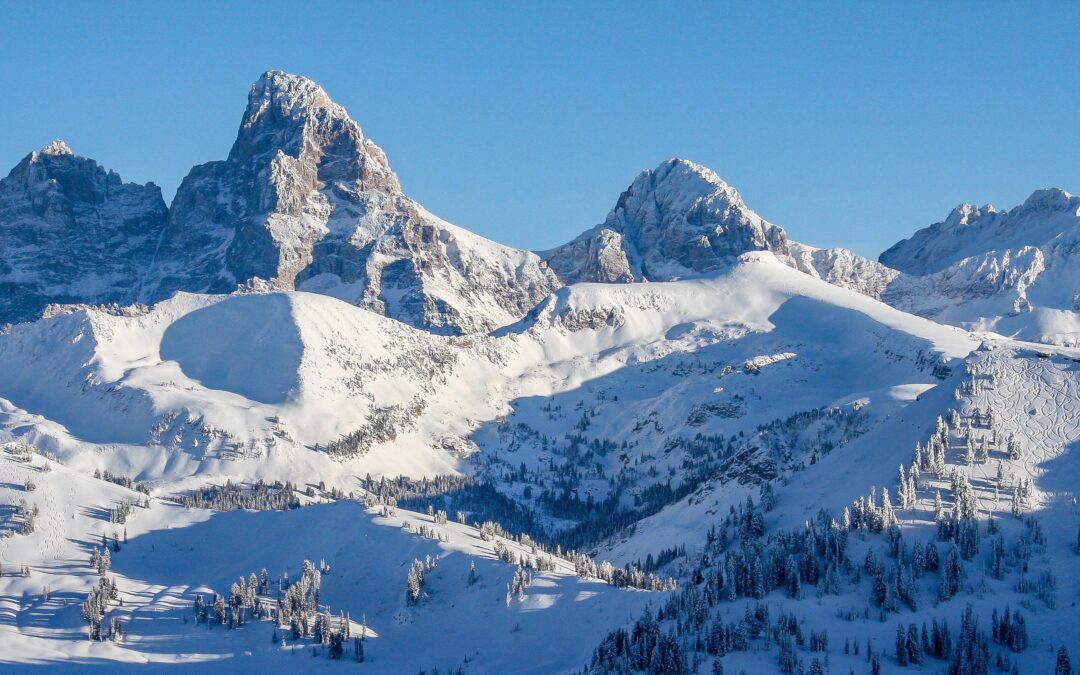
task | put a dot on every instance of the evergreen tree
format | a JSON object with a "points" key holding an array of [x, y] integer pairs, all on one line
{"points": [[901, 645], [219, 609], [1064, 667]]}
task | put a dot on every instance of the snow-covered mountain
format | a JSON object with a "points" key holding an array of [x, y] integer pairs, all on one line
{"points": [[972, 230], [677, 220], [306, 200], [70, 231], [1015, 272], [302, 417], [681, 220], [625, 418]]}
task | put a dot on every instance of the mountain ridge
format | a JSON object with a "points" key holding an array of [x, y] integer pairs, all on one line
{"points": [[305, 200]]}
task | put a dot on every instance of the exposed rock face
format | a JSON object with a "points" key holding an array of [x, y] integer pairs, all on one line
{"points": [[306, 200], [678, 220], [70, 231]]}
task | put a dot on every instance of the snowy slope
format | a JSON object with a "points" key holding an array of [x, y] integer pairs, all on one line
{"points": [[177, 403], [1033, 392], [368, 557], [584, 412]]}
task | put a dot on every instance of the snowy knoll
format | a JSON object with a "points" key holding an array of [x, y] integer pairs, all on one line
{"points": [[198, 380]]}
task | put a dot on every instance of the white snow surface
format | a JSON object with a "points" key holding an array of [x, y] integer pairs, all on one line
{"points": [[200, 389]]}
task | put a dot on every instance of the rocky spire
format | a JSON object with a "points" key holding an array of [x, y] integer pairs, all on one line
{"points": [[304, 199]]}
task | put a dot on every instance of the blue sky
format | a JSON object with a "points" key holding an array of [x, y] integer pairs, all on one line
{"points": [[848, 123]]}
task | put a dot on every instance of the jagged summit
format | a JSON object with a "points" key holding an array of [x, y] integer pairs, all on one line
{"points": [[679, 219], [294, 116], [1050, 199], [306, 200], [288, 93], [971, 230], [72, 231], [57, 148]]}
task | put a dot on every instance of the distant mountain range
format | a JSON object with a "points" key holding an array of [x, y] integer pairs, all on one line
{"points": [[306, 201]]}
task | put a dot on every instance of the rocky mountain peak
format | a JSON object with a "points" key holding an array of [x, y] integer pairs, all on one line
{"points": [[306, 200], [289, 94], [292, 129], [965, 214], [73, 232], [679, 184], [971, 230], [677, 220]]}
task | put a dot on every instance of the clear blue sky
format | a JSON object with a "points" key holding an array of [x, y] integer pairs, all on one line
{"points": [[847, 123]]}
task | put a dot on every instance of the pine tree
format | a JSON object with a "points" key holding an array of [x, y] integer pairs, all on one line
{"points": [[219, 609], [952, 574], [1017, 504], [1064, 667], [901, 645], [413, 581], [914, 648], [327, 629], [888, 516]]}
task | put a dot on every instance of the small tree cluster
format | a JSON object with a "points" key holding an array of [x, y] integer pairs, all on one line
{"points": [[95, 605], [260, 496], [414, 580]]}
